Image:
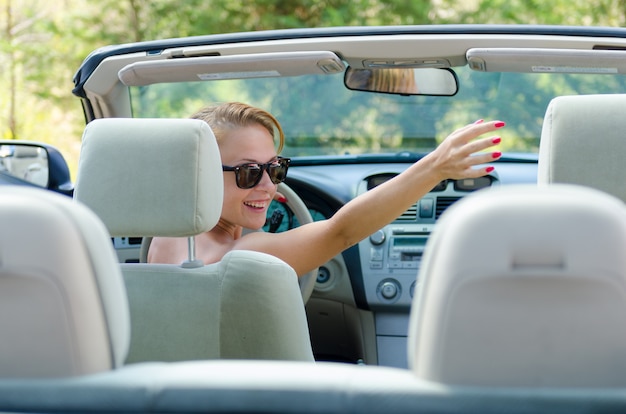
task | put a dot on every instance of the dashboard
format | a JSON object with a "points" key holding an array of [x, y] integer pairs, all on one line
{"points": [[391, 257], [388, 260], [376, 278]]}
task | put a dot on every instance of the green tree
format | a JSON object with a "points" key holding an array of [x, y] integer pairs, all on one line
{"points": [[560, 12]]}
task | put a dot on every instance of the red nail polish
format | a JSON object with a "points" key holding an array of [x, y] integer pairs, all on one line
{"points": [[499, 124], [282, 200], [489, 169], [496, 140], [496, 154], [480, 121]]}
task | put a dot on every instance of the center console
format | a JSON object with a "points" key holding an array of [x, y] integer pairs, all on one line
{"points": [[391, 257]]}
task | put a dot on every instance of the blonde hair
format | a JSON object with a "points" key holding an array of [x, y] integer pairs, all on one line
{"points": [[228, 116], [393, 80]]}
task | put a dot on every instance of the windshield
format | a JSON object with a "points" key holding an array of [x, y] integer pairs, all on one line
{"points": [[320, 116]]}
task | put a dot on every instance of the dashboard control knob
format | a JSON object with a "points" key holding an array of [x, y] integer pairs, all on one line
{"points": [[323, 275], [389, 290], [378, 238]]}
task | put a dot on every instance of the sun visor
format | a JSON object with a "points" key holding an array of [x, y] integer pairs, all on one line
{"points": [[537, 60], [258, 65]]}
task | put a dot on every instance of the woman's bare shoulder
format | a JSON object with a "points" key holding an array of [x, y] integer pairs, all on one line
{"points": [[168, 250], [168, 243]]}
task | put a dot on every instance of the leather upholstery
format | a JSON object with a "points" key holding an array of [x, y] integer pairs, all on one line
{"points": [[63, 307]]}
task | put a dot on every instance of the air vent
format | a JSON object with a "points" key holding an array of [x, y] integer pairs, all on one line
{"points": [[443, 203], [410, 214]]}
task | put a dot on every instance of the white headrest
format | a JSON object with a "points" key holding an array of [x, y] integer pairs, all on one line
{"points": [[583, 142], [151, 177], [524, 286], [26, 151], [63, 303]]}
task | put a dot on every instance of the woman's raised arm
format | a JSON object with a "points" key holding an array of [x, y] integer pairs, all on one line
{"points": [[313, 244]]}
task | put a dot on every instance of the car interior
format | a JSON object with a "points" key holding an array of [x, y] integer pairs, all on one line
{"points": [[504, 293]]}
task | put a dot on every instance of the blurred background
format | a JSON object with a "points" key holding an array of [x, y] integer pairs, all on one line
{"points": [[43, 42]]}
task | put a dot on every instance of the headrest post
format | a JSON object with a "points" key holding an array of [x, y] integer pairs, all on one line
{"points": [[192, 262], [191, 247]]}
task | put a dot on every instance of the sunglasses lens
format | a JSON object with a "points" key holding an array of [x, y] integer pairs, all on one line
{"points": [[249, 175], [278, 172]]}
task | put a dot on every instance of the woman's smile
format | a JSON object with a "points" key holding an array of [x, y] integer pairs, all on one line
{"points": [[260, 205]]}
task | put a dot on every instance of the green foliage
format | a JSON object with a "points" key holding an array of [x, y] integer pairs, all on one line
{"points": [[561, 12], [42, 42]]}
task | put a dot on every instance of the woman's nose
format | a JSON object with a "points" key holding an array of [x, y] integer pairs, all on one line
{"points": [[266, 181]]}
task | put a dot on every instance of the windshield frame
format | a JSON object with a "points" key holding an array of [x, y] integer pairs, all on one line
{"points": [[322, 118]]}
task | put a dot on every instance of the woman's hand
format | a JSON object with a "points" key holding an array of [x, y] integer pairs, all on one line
{"points": [[457, 156]]}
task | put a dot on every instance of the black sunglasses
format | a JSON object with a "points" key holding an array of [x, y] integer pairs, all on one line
{"points": [[249, 175]]}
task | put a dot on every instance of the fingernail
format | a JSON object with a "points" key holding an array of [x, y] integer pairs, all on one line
{"points": [[496, 154], [489, 169], [496, 140], [480, 121], [282, 200], [499, 124]]}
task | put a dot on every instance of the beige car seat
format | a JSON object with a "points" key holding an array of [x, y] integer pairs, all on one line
{"points": [[63, 307], [524, 286], [583, 142], [163, 177]]}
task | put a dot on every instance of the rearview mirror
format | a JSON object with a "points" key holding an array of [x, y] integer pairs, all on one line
{"points": [[403, 81], [25, 162]]}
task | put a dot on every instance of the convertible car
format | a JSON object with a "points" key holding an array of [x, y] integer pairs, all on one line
{"points": [[502, 293]]}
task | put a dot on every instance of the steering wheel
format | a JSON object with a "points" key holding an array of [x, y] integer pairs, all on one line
{"points": [[300, 210]]}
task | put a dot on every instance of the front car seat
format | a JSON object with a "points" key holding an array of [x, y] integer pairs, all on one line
{"points": [[524, 286], [582, 142], [163, 177]]}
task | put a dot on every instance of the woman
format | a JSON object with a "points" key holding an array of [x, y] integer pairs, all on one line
{"points": [[245, 136]]}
